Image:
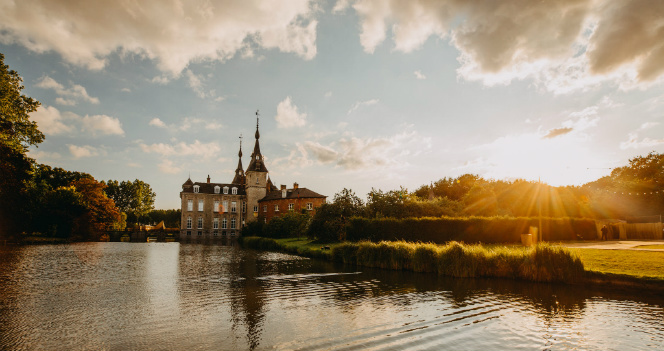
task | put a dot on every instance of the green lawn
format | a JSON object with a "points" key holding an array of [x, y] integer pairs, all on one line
{"points": [[660, 247], [641, 264], [303, 243]]}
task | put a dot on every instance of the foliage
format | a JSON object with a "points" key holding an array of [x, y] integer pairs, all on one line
{"points": [[329, 222], [100, 211], [17, 132], [171, 218], [289, 225], [135, 198], [466, 229]]}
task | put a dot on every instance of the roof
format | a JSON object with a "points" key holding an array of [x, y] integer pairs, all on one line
{"points": [[208, 188], [301, 193]]}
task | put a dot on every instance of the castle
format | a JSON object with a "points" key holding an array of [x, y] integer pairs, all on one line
{"points": [[217, 210]]}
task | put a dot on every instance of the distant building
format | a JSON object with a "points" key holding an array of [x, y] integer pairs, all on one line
{"points": [[217, 210]]}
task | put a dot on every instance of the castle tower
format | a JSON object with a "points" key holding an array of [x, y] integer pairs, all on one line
{"points": [[256, 178]]}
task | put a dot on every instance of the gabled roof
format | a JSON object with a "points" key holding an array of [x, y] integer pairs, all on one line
{"points": [[299, 193]]}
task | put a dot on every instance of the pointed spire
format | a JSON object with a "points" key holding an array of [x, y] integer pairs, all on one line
{"points": [[257, 163], [239, 172]]}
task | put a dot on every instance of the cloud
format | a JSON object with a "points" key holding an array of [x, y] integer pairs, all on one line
{"points": [[157, 123], [168, 167], [82, 151], [50, 121], [198, 149], [196, 84], [101, 124], [563, 46], [419, 75], [125, 90], [87, 35], [44, 155], [552, 133], [75, 92], [361, 104], [633, 142], [354, 153], [288, 115]]}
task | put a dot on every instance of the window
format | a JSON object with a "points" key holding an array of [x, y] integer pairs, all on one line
{"points": [[255, 208], [200, 222], [216, 205], [233, 206], [244, 207], [276, 208], [190, 205], [234, 191], [200, 232], [310, 206], [197, 188], [264, 220], [200, 205], [225, 206], [224, 223], [223, 232], [216, 189], [188, 232], [232, 223], [264, 208], [291, 207], [225, 190], [188, 222], [215, 223], [215, 232], [233, 233], [256, 180]]}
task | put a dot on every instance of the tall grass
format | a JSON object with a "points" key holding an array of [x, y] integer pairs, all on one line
{"points": [[543, 263]]}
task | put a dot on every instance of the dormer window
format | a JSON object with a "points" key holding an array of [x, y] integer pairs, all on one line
{"points": [[225, 190], [234, 191], [257, 157], [216, 189], [197, 188]]}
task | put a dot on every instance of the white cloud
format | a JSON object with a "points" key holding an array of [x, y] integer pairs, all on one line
{"points": [[168, 167], [633, 142], [101, 124], [200, 31], [75, 92], [50, 121], [361, 104], [419, 75], [564, 46], [125, 90], [340, 6], [82, 151], [354, 153], [288, 115], [196, 84], [328, 94], [198, 149], [40, 156], [157, 123]]}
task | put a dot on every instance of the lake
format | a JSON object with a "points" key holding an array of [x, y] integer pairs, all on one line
{"points": [[168, 296]]}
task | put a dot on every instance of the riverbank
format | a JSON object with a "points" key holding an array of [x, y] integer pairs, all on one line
{"points": [[544, 263]]}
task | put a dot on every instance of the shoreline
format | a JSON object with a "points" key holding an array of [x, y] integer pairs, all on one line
{"points": [[615, 281]]}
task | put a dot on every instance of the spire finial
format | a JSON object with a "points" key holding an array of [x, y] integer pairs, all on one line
{"points": [[257, 116], [240, 153]]}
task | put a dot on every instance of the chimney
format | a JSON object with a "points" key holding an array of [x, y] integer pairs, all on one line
{"points": [[295, 186], [208, 179], [283, 191]]}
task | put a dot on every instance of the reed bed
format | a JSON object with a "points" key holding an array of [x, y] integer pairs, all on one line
{"points": [[543, 263]]}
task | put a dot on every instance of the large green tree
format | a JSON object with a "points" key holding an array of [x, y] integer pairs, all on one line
{"points": [[136, 198], [17, 133]]}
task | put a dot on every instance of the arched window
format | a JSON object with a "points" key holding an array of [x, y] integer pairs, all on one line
{"points": [[225, 190], [216, 189], [197, 188], [234, 191]]}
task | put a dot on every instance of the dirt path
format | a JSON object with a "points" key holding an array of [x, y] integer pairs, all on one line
{"points": [[616, 245]]}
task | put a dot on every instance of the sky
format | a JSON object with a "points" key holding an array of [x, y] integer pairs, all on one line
{"points": [[351, 94]]}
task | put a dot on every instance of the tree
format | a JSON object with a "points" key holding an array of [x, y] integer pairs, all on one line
{"points": [[100, 211], [329, 222], [136, 198], [17, 132]]}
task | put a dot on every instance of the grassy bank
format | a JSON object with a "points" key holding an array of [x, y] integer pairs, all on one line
{"points": [[543, 263], [647, 265]]}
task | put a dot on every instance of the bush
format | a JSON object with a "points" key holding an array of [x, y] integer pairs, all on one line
{"points": [[466, 229]]}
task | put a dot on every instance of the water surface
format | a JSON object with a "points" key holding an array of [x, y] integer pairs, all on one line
{"points": [[167, 296]]}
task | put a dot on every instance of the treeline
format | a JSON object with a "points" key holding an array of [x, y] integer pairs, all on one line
{"points": [[53, 202]]}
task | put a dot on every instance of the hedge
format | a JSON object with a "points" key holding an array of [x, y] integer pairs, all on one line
{"points": [[467, 229]]}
